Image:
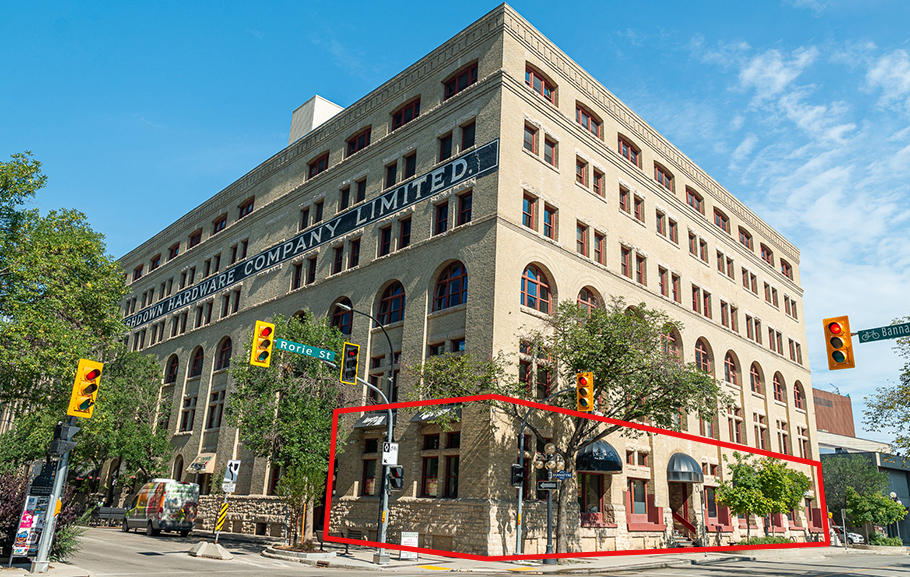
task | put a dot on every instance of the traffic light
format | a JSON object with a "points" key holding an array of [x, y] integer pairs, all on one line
{"points": [[518, 475], [396, 478], [85, 389], [839, 343], [263, 341], [63, 439], [349, 363], [584, 392]]}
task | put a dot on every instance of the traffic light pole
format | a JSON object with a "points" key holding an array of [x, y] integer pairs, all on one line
{"points": [[521, 461], [42, 561]]}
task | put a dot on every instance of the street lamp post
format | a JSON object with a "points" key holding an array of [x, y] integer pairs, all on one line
{"points": [[381, 557]]}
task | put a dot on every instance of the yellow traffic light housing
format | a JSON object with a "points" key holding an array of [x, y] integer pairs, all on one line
{"points": [[349, 361], [263, 341], [839, 343], [584, 392], [85, 389]]}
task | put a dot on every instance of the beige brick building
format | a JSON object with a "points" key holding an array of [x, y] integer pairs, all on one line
{"points": [[494, 159]]}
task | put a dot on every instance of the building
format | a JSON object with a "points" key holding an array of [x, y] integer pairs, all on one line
{"points": [[494, 158], [833, 413]]}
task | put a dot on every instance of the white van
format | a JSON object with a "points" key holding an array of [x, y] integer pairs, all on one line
{"points": [[163, 505]]}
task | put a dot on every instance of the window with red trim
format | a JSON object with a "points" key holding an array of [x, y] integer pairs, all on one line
{"points": [[460, 81], [441, 219], [778, 388], [359, 141], [540, 85], [786, 269], [702, 360], [549, 221], [629, 151], [755, 380], [155, 262], [798, 397], [246, 208], [391, 305], [451, 288], [196, 365], [318, 165], [745, 238], [530, 139], [730, 370], [535, 290], [549, 151], [722, 221], [626, 261], [663, 177], [587, 120], [342, 319], [465, 202], [587, 300], [224, 355], [170, 374], [219, 224], [406, 114], [767, 255]]}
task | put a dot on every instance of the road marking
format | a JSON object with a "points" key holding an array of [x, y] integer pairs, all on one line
{"points": [[434, 568]]}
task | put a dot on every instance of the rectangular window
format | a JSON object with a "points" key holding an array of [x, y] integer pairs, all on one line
{"points": [[368, 481], [734, 321], [410, 165], [319, 210], [391, 174], [235, 306], [677, 293], [661, 223], [639, 209], [441, 220], [625, 200], [451, 476], [361, 190], [385, 240], [707, 302], [338, 260], [445, 147], [345, 200], [188, 414], [549, 152], [530, 142], [693, 245], [354, 259], [311, 270], [724, 314], [359, 141], [696, 299], [641, 276], [581, 239], [296, 278], [318, 165], [460, 81], [626, 262], [404, 233], [703, 250], [599, 248], [304, 218], [638, 491], [464, 208], [529, 206], [581, 172], [216, 410], [429, 486], [598, 182], [549, 222], [673, 229], [406, 114], [662, 281], [467, 136]]}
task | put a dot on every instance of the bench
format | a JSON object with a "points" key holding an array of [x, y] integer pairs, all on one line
{"points": [[356, 534], [109, 513]]}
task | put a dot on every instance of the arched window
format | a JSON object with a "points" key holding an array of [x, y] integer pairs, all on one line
{"points": [[798, 397], [196, 365], [755, 380], [671, 344], [342, 319], [730, 370], [452, 287], [391, 305], [170, 373], [224, 355], [779, 393], [535, 290], [178, 468], [588, 300], [702, 360]]}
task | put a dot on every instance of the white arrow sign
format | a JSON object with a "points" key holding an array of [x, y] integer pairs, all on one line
{"points": [[229, 485]]}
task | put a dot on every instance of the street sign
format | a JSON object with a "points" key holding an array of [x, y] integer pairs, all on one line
{"points": [[562, 475], [390, 453], [222, 515], [882, 333], [547, 485], [307, 350], [231, 472], [409, 539]]}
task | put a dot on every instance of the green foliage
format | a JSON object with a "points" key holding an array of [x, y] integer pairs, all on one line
{"points": [[59, 293], [888, 410], [872, 507], [844, 471], [66, 532], [772, 540], [761, 486], [284, 412], [882, 541], [297, 487]]}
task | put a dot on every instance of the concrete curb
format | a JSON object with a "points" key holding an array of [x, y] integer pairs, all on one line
{"points": [[325, 563]]}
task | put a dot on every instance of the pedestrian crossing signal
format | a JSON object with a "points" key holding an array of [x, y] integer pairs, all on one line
{"points": [[85, 389], [263, 341]]}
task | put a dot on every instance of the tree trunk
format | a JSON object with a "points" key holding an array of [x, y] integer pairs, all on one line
{"points": [[115, 476], [308, 521]]}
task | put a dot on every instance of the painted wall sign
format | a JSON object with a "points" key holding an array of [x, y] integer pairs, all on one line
{"points": [[471, 165]]}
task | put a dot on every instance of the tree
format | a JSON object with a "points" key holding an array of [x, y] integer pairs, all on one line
{"points": [[872, 507], [888, 410], [59, 293], [284, 413], [844, 471], [761, 487], [625, 348]]}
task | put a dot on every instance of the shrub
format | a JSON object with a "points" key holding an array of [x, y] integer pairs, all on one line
{"points": [[881, 540], [766, 541]]}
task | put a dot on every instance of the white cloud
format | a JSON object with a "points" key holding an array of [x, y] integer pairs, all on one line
{"points": [[891, 75], [769, 73], [816, 6], [816, 120], [744, 149]]}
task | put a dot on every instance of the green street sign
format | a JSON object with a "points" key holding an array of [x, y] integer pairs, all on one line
{"points": [[882, 333], [316, 353]]}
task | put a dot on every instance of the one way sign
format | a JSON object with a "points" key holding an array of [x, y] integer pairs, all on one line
{"points": [[229, 485]]}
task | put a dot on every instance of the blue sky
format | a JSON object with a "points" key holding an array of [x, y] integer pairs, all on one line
{"points": [[801, 108]]}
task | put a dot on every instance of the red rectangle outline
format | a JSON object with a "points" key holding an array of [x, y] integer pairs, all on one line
{"points": [[531, 404]]}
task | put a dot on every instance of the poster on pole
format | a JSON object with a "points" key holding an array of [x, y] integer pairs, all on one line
{"points": [[31, 522], [409, 539]]}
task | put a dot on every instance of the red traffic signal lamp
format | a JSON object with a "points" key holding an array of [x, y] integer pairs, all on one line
{"points": [[349, 363], [396, 478], [263, 341], [839, 343], [584, 392], [85, 389]]}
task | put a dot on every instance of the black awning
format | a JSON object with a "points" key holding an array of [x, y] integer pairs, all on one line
{"points": [[598, 457], [450, 411], [684, 469], [372, 421]]}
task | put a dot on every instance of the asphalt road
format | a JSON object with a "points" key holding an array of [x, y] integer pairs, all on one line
{"points": [[111, 553]]}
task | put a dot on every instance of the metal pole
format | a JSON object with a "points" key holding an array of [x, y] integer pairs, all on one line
{"points": [[843, 524], [42, 561], [549, 560], [521, 461]]}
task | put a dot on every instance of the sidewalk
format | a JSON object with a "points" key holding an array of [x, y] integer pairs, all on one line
{"points": [[362, 558], [56, 570]]}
